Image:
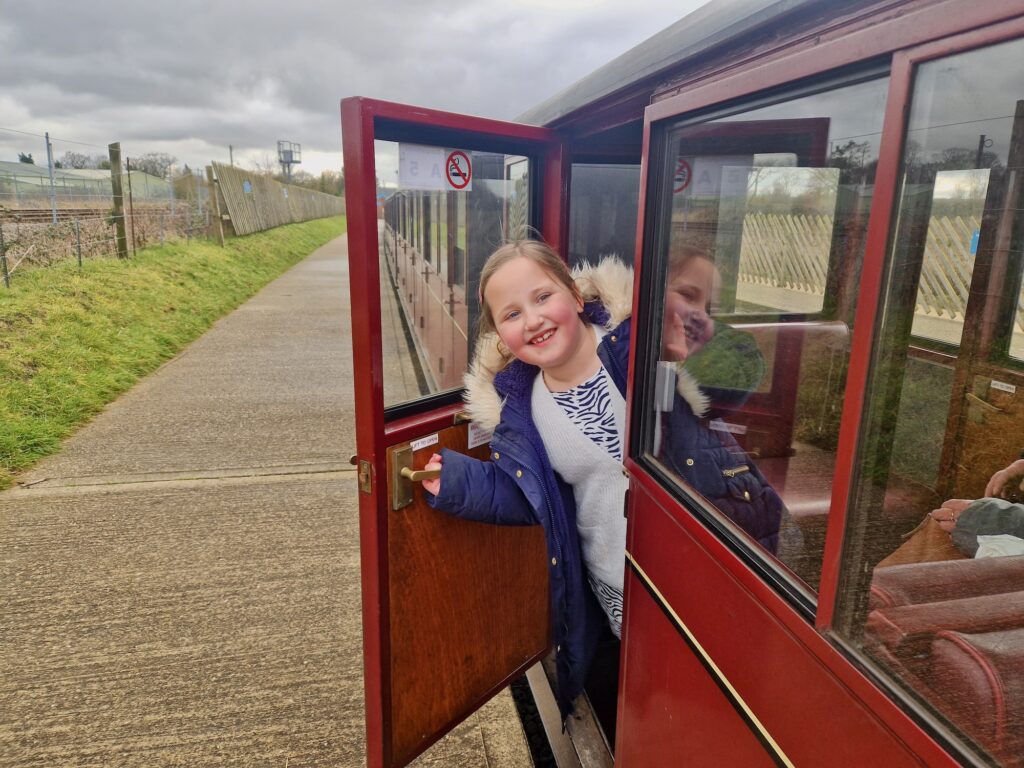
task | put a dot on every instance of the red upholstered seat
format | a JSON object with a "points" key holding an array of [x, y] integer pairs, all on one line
{"points": [[940, 581], [979, 683], [905, 629]]}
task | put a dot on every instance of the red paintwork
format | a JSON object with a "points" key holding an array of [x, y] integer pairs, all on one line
{"points": [[872, 272], [871, 281], [796, 676], [669, 692], [914, 24], [555, 198], [785, 638], [360, 204], [776, 671], [364, 120], [670, 557]]}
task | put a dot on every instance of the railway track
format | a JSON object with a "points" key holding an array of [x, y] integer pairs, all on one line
{"points": [[44, 215]]}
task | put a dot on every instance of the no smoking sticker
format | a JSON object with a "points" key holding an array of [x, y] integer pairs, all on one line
{"points": [[458, 170], [683, 176], [434, 168]]}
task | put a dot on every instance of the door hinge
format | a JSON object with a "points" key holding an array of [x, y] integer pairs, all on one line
{"points": [[365, 476]]}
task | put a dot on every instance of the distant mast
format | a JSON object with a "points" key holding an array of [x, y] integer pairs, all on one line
{"points": [[288, 154]]}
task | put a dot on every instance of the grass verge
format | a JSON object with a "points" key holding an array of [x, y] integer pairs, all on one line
{"points": [[72, 340]]}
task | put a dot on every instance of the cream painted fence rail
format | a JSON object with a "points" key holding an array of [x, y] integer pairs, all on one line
{"points": [[791, 252]]}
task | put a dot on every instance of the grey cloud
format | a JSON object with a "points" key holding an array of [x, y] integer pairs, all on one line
{"points": [[199, 71]]}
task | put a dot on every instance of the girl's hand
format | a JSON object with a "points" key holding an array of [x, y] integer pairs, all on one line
{"points": [[686, 332], [950, 511], [433, 486], [699, 330], [674, 344], [997, 484]]}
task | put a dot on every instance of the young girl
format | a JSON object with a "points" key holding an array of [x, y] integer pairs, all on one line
{"points": [[549, 375]]}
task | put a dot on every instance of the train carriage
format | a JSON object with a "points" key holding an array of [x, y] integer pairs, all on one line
{"points": [[855, 172]]}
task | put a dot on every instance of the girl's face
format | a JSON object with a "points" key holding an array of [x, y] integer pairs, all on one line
{"points": [[536, 316], [690, 292]]}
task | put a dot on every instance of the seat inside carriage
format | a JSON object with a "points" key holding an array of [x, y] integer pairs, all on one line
{"points": [[949, 625]]}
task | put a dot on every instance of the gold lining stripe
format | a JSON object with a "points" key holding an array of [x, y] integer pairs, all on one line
{"points": [[710, 664]]}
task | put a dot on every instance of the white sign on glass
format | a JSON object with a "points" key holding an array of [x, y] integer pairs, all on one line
{"points": [[434, 168]]}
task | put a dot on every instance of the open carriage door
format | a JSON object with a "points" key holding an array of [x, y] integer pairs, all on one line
{"points": [[452, 610]]}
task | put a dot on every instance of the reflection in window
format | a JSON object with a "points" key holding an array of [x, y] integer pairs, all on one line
{"points": [[1017, 335], [935, 588], [433, 244], [760, 236]]}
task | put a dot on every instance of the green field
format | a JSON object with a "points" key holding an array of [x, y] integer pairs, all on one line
{"points": [[72, 340]]}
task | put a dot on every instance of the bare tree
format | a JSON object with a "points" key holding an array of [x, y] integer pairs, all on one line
{"points": [[153, 163], [77, 160], [266, 166]]}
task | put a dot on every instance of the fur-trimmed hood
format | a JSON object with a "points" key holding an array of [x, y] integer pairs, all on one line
{"points": [[607, 291]]}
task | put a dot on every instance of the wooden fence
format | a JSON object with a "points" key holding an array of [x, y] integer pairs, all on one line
{"points": [[791, 252], [254, 202]]}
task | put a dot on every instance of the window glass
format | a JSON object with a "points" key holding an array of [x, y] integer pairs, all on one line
{"points": [[439, 225], [934, 552], [760, 235], [1017, 336], [603, 199], [459, 222], [429, 322]]}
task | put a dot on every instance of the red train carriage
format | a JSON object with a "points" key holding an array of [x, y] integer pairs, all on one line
{"points": [[855, 170]]}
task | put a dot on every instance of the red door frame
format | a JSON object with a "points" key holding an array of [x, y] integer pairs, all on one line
{"points": [[911, 38], [363, 121]]}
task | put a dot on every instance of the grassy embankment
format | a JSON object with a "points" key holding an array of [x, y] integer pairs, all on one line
{"points": [[72, 340]]}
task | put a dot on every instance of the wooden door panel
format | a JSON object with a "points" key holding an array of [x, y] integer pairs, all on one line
{"points": [[451, 583]]}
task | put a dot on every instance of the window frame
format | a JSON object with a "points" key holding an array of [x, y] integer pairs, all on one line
{"points": [[659, 147], [905, 63], [907, 39]]}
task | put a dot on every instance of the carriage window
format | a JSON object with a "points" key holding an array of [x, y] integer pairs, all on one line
{"points": [[1017, 334], [433, 243], [602, 211], [759, 237], [458, 222], [934, 554]]}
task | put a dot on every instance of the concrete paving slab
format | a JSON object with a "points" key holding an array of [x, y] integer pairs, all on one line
{"points": [[269, 385], [181, 585]]}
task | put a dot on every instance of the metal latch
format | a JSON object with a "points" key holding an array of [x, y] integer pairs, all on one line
{"points": [[403, 476]]}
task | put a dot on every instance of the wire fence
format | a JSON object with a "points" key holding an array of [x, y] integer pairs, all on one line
{"points": [[28, 242]]}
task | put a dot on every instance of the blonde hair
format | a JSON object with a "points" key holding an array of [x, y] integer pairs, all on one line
{"points": [[541, 254], [681, 255]]}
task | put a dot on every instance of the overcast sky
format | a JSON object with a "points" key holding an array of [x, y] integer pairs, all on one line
{"points": [[189, 78]]}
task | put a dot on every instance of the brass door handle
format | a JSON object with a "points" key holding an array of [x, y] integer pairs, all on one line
{"points": [[419, 475]]}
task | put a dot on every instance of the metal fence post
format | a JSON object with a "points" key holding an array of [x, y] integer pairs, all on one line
{"points": [[53, 188], [3, 259], [131, 200], [78, 241]]}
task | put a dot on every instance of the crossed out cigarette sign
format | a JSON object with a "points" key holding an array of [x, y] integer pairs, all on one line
{"points": [[458, 170]]}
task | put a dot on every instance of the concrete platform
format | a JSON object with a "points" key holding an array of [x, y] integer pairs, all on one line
{"points": [[180, 585]]}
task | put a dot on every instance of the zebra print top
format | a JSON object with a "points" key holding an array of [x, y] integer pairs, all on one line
{"points": [[588, 406]]}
